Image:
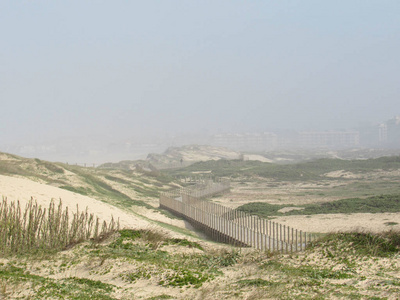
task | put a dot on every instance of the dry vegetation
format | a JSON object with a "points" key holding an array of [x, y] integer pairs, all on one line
{"points": [[149, 265], [166, 261], [35, 229]]}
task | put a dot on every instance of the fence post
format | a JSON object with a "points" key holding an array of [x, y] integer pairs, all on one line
{"points": [[284, 236], [222, 220], [254, 231], [301, 240], [305, 240], [215, 221], [259, 225], [270, 228], [230, 225], [249, 231], [264, 241], [272, 234]]}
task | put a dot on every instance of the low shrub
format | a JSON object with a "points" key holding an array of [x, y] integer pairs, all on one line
{"points": [[366, 243], [255, 282]]}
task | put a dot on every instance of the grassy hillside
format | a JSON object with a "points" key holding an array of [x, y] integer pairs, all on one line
{"points": [[154, 264], [376, 204], [122, 188], [149, 265], [312, 170]]}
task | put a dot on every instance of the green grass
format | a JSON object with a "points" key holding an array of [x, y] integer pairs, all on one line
{"points": [[52, 167], [93, 182], [163, 296], [48, 288], [282, 277], [179, 269], [116, 179], [375, 204], [255, 282], [146, 191], [145, 186], [362, 188], [79, 190], [364, 243], [99, 187], [391, 223], [236, 168], [304, 271], [95, 284], [330, 267], [312, 170], [183, 242]]}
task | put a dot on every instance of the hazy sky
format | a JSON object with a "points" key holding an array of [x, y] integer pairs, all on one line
{"points": [[121, 68]]}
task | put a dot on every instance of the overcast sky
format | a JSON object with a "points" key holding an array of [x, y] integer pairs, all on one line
{"points": [[124, 68]]}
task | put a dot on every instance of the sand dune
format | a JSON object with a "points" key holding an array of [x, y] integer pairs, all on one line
{"points": [[23, 189]]}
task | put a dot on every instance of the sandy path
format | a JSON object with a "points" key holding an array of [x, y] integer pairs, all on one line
{"points": [[23, 189]]}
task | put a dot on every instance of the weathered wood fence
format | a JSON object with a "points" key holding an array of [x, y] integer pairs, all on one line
{"points": [[230, 225]]}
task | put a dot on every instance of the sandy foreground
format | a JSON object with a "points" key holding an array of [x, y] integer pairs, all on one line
{"points": [[22, 189]]}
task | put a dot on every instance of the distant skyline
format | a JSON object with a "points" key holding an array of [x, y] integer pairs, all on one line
{"points": [[122, 69]]}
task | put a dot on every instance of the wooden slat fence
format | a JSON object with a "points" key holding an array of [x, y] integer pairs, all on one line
{"points": [[230, 225]]}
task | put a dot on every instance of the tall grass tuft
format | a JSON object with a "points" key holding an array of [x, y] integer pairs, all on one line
{"points": [[38, 230]]}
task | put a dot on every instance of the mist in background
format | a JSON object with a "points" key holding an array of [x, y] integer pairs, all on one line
{"points": [[78, 77]]}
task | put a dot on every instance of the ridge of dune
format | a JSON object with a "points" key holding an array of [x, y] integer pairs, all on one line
{"points": [[22, 190]]}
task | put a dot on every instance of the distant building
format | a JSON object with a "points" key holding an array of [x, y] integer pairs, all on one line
{"points": [[393, 132], [382, 131], [246, 141], [329, 139]]}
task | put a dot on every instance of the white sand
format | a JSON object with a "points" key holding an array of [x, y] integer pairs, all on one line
{"points": [[256, 157], [342, 222], [23, 189]]}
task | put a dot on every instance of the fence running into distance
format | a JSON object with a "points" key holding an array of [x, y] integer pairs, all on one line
{"points": [[230, 225]]}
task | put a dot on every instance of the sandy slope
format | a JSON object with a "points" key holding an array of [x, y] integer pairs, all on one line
{"points": [[23, 189]]}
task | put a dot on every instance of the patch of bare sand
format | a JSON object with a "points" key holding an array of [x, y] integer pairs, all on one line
{"points": [[287, 209], [295, 193], [156, 215], [256, 157], [342, 174], [4, 156], [343, 222], [21, 189]]}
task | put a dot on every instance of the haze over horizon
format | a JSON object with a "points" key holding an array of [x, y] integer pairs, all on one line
{"points": [[126, 69]]}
